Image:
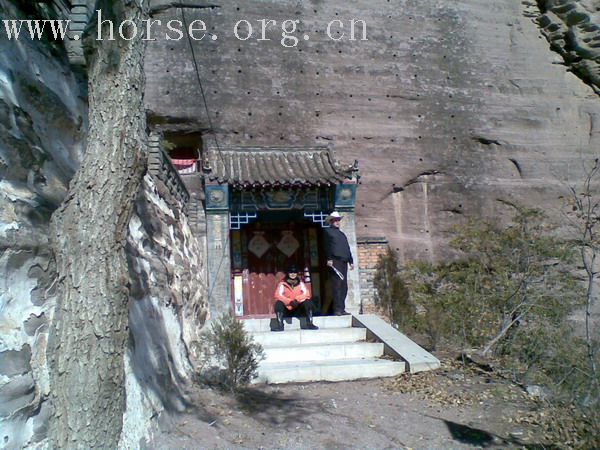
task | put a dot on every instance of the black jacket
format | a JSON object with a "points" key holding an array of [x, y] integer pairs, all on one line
{"points": [[336, 245]]}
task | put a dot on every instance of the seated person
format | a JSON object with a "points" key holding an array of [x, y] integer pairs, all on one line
{"points": [[291, 295]]}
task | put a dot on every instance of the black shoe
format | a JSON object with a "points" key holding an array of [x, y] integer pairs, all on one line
{"points": [[279, 326], [341, 313], [309, 321]]}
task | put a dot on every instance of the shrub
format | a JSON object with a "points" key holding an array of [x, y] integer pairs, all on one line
{"points": [[232, 352], [509, 281], [391, 293]]}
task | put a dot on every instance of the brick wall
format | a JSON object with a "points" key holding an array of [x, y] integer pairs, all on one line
{"points": [[369, 250]]}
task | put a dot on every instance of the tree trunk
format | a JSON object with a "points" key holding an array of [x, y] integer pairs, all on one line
{"points": [[88, 235]]}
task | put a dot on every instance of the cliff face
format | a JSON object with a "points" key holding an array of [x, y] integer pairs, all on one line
{"points": [[449, 106], [167, 309], [572, 28], [42, 126], [43, 114]]}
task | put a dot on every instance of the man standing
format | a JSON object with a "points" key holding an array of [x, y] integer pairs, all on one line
{"points": [[337, 251]]}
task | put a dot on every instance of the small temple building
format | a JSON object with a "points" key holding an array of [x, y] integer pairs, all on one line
{"points": [[264, 209]]}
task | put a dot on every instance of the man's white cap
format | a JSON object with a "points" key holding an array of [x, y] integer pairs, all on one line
{"points": [[333, 216]]}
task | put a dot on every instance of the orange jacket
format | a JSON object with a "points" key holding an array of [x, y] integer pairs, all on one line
{"points": [[288, 294]]}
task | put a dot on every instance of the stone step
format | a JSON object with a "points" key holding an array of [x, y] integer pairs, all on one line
{"points": [[336, 370], [298, 337], [293, 323], [320, 352]]}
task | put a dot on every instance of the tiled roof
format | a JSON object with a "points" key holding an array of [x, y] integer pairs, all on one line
{"points": [[274, 166]]}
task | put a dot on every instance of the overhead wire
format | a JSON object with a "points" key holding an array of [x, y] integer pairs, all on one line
{"points": [[219, 152]]}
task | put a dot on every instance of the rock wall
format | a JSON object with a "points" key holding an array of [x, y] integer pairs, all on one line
{"points": [[449, 105], [167, 310], [573, 30], [43, 121], [42, 127]]}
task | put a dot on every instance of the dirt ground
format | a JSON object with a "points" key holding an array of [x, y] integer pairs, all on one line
{"points": [[449, 408]]}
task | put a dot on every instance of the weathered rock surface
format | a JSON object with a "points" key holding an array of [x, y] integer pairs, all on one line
{"points": [[573, 30], [42, 126], [167, 309], [449, 106]]}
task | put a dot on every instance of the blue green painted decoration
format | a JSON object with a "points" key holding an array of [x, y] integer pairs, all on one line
{"points": [[345, 196], [217, 197]]}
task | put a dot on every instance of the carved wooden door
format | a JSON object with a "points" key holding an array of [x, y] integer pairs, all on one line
{"points": [[261, 254]]}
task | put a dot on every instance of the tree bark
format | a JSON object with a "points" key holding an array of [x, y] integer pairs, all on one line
{"points": [[88, 234]]}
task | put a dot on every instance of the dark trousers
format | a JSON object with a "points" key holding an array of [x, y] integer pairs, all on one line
{"points": [[304, 307], [339, 287]]}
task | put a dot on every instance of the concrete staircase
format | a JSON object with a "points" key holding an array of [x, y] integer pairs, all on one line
{"points": [[342, 349]]}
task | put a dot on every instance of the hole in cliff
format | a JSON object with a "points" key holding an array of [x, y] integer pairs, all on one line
{"points": [[517, 166], [486, 141], [183, 145]]}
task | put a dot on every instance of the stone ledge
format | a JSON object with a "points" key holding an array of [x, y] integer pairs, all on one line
{"points": [[397, 344]]}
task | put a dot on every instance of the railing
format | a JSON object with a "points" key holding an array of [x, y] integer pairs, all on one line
{"points": [[161, 166]]}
